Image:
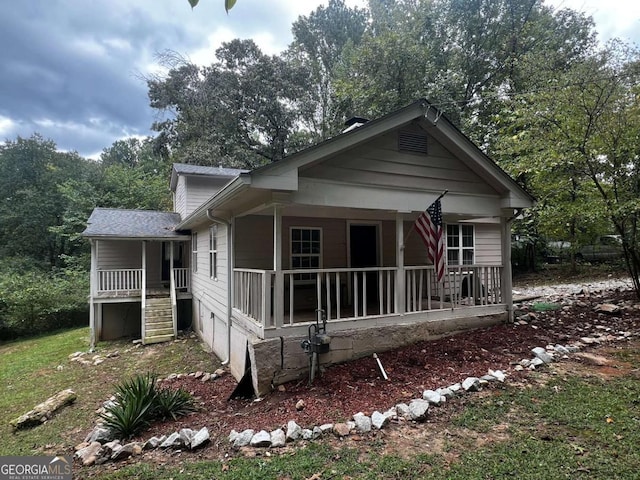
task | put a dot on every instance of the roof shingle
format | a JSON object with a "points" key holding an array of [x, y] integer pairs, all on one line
{"points": [[118, 223]]}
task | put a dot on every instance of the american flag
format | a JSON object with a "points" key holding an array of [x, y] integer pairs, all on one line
{"points": [[429, 226]]}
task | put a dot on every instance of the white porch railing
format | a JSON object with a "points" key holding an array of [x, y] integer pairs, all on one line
{"points": [[182, 278], [463, 286], [127, 280], [356, 293], [119, 280]]}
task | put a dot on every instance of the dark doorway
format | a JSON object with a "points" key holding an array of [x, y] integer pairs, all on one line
{"points": [[363, 248], [166, 259]]}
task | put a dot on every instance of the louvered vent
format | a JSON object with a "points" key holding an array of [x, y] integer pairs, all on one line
{"points": [[413, 142]]}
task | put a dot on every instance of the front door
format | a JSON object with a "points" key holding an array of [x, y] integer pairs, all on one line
{"points": [[364, 252]]}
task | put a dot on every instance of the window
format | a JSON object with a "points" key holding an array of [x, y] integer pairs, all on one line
{"points": [[460, 244], [194, 252], [213, 251], [306, 250]]}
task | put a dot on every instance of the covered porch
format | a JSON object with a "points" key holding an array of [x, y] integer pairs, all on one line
{"points": [[140, 273], [360, 269]]}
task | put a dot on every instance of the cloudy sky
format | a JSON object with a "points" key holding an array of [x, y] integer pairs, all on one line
{"points": [[74, 70]]}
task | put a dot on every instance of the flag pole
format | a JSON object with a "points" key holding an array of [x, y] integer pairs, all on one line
{"points": [[404, 242]]}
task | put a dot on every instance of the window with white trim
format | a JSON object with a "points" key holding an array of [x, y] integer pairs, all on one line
{"points": [[194, 251], [460, 244], [306, 250], [213, 251]]}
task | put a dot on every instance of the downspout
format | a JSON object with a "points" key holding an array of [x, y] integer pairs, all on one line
{"points": [[227, 223]]}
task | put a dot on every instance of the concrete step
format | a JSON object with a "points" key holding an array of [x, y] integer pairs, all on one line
{"points": [[158, 339]]}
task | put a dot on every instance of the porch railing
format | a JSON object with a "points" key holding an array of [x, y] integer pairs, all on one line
{"points": [[463, 285], [354, 293], [127, 280], [182, 278], [120, 280]]}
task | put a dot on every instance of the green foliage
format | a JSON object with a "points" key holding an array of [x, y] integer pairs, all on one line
{"points": [[139, 401], [34, 301], [173, 403]]}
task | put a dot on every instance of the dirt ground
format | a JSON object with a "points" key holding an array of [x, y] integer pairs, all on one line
{"points": [[358, 386]]}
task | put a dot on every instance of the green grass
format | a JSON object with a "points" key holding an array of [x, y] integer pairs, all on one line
{"points": [[560, 427], [570, 427], [29, 372]]}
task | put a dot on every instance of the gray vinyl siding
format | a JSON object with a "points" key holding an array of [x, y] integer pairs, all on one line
{"points": [[210, 295], [488, 244], [113, 254], [180, 198], [381, 163]]}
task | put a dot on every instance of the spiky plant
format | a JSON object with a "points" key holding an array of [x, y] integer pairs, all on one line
{"points": [[174, 403]]}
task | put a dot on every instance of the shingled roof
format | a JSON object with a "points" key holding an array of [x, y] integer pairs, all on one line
{"points": [[138, 224], [209, 171]]}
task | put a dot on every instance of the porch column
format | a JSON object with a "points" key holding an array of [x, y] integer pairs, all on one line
{"points": [[172, 293], [93, 278], [143, 290], [278, 289], [400, 275], [507, 283]]}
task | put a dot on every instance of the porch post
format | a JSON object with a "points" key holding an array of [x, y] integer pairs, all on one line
{"points": [[400, 276], [172, 293], [143, 290], [278, 289], [93, 277], [507, 283]]}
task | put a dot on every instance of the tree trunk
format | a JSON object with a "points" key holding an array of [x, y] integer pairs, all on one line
{"points": [[44, 411]]}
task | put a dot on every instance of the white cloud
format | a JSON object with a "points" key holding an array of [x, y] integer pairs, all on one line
{"points": [[7, 126]]}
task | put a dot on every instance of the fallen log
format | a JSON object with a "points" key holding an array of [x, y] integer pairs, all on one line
{"points": [[44, 411]]}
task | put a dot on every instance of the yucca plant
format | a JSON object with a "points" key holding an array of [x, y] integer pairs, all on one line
{"points": [[134, 407], [139, 402], [174, 403]]}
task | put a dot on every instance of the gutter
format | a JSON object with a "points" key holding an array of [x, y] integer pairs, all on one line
{"points": [[227, 223]]}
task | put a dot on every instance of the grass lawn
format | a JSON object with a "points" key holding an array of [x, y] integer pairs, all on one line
{"points": [[562, 422], [34, 369]]}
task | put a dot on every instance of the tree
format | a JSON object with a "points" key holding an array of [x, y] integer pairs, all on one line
{"points": [[319, 41], [241, 111], [31, 202], [578, 143]]}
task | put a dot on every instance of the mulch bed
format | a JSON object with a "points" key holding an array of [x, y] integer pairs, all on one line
{"points": [[358, 386]]}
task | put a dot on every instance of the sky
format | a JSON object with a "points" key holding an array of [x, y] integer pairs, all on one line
{"points": [[74, 71]]}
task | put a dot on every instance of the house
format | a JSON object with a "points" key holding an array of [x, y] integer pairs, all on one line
{"points": [[251, 260]]}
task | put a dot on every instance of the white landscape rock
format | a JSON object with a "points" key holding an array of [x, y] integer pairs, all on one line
{"points": [[278, 438], [471, 384], [433, 397], [261, 439], [199, 438], [243, 438], [379, 420], [363, 422], [418, 409], [294, 431], [542, 354]]}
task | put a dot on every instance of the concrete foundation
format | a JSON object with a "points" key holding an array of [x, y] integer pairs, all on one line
{"points": [[278, 360]]}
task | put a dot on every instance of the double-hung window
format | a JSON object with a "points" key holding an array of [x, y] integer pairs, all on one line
{"points": [[306, 250], [213, 251], [194, 251], [460, 244]]}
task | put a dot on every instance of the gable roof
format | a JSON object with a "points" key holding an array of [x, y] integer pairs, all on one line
{"points": [[199, 170], [283, 175], [132, 224]]}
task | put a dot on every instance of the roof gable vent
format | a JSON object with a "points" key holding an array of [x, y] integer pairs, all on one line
{"points": [[413, 142]]}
